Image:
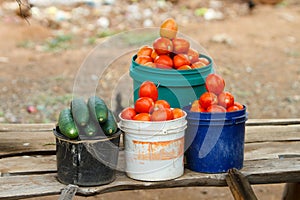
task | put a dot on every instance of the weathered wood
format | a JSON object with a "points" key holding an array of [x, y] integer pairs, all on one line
{"points": [[291, 191], [239, 186], [26, 127], [262, 122]]}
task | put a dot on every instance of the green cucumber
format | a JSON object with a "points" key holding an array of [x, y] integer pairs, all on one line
{"points": [[92, 128], [67, 124], [80, 111], [98, 109], [110, 126]]}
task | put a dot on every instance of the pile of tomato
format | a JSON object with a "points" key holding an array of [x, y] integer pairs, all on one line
{"points": [[215, 99], [169, 51], [148, 108]]}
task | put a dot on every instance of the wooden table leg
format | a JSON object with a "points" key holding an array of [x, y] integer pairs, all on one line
{"points": [[291, 191]]}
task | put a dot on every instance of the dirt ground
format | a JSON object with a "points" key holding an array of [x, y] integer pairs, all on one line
{"points": [[257, 53]]}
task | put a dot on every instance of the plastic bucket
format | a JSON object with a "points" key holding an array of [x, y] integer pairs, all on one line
{"points": [[215, 141], [86, 163], [154, 151], [179, 87]]}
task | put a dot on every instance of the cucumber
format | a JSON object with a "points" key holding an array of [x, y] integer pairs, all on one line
{"points": [[110, 126], [67, 124], [80, 111], [92, 128], [98, 109]]}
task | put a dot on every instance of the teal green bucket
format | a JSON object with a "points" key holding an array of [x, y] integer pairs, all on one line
{"points": [[178, 87]]}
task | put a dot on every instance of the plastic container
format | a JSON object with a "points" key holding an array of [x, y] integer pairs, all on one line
{"points": [[179, 87], [154, 151], [215, 141], [86, 162]]}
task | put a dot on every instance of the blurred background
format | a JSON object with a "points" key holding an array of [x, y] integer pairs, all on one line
{"points": [[255, 46]]}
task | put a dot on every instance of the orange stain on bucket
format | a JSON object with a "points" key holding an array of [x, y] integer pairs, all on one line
{"points": [[163, 150]]}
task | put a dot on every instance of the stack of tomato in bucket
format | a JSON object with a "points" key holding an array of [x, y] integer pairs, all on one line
{"points": [[211, 131]]}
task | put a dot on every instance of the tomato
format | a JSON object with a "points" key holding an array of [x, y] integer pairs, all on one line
{"points": [[150, 64], [204, 60], [142, 117], [143, 104], [233, 108], [240, 106], [193, 55], [163, 62], [128, 113], [214, 83], [163, 46], [162, 115], [197, 64], [207, 99], [180, 45], [168, 28], [179, 60], [216, 108], [177, 113], [153, 54], [197, 109], [184, 67], [226, 99], [163, 103], [145, 51], [143, 59], [148, 89]]}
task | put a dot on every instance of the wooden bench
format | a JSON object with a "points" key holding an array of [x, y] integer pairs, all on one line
{"points": [[28, 161]]}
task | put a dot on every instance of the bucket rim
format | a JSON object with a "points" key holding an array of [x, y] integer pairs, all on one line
{"points": [[61, 137]]}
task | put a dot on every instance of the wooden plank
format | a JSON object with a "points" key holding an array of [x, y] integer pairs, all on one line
{"points": [[257, 172], [262, 122], [272, 133], [26, 127]]}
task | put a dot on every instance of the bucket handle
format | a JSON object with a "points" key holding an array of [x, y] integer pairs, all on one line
{"points": [[237, 120]]}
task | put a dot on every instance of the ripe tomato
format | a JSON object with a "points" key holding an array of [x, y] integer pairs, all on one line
{"points": [[177, 113], [159, 104], [197, 109], [163, 46], [226, 99], [179, 60], [148, 89], [216, 108], [180, 45], [214, 83], [233, 108], [204, 60], [240, 106], [150, 64], [207, 99], [128, 113], [162, 114], [143, 104], [197, 64], [142, 117], [168, 28], [153, 54], [145, 51], [143, 59], [184, 67], [193, 55], [163, 62]]}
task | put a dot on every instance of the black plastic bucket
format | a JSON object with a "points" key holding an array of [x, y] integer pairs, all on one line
{"points": [[215, 141], [86, 162]]}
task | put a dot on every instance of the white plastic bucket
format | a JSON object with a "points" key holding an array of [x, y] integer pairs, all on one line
{"points": [[154, 151]]}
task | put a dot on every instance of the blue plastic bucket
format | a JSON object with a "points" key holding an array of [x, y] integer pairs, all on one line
{"points": [[214, 142], [179, 87]]}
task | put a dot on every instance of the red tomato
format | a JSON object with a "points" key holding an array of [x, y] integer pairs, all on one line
{"points": [[216, 108], [233, 108], [142, 117], [163, 62], [150, 64], [214, 83], [168, 28], [207, 99], [184, 67], [177, 113], [143, 59], [148, 89], [240, 106], [204, 60], [160, 104], [179, 60], [162, 115], [143, 104], [197, 109], [128, 113], [193, 55], [180, 45], [144, 51], [226, 99], [198, 64], [163, 46], [153, 54]]}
